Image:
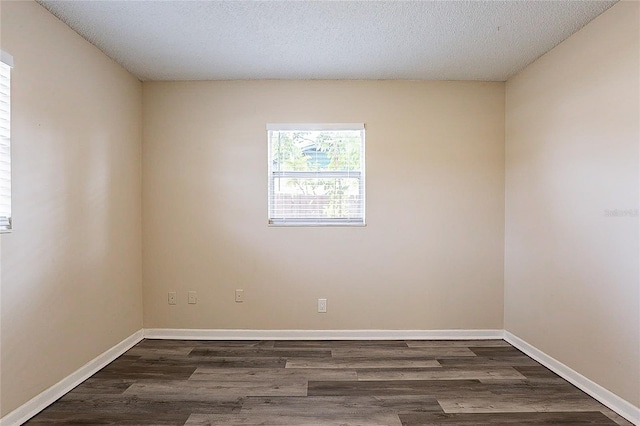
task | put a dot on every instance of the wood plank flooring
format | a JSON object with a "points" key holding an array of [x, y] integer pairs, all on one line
{"points": [[346, 383]]}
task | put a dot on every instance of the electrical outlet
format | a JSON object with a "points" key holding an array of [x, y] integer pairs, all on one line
{"points": [[322, 305], [172, 298], [239, 295], [192, 298]]}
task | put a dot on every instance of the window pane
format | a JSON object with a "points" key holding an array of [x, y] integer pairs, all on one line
{"points": [[316, 150], [316, 198], [5, 147]]}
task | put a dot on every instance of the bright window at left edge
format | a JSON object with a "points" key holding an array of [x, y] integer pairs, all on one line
{"points": [[5, 143]]}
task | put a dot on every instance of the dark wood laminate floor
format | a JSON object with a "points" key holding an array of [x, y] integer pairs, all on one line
{"points": [[347, 383]]}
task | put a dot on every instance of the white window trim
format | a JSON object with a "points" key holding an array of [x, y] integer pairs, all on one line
{"points": [[305, 222], [315, 126], [6, 58]]}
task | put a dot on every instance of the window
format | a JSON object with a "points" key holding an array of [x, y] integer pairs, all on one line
{"points": [[6, 62], [316, 174]]}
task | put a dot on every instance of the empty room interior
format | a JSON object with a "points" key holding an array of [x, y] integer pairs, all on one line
{"points": [[319, 212]]}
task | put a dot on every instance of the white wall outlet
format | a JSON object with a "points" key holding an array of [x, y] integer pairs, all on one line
{"points": [[192, 298], [322, 305], [172, 298], [239, 295]]}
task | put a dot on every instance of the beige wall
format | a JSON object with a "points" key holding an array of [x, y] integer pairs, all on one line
{"points": [[430, 257], [71, 280], [572, 126]]}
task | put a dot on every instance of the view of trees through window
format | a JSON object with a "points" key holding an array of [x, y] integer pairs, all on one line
{"points": [[316, 175]]}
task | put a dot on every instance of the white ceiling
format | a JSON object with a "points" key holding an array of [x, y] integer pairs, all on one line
{"points": [[228, 40]]}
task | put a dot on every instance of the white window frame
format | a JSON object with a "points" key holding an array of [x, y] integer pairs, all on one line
{"points": [[272, 175], [6, 63]]}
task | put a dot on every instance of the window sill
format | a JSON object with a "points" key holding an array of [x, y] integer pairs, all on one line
{"points": [[316, 225]]}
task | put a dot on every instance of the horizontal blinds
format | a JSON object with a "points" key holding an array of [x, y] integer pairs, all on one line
{"points": [[316, 174], [5, 144]]}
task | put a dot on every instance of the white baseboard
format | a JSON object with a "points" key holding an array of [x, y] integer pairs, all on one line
{"points": [[233, 334], [606, 397], [49, 396]]}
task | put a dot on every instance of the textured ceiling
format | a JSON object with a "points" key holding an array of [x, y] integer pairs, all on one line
{"points": [[423, 40]]}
